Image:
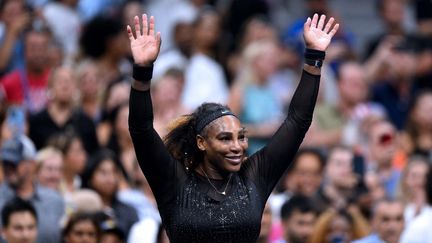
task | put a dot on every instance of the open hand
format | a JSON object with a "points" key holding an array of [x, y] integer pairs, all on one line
{"points": [[316, 35], [145, 45]]}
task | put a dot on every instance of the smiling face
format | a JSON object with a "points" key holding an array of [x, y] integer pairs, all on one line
{"points": [[50, 171], [224, 145]]}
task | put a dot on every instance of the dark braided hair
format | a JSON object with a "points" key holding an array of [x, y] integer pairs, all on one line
{"points": [[181, 138]]}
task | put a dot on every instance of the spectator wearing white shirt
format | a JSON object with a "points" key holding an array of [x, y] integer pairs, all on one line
{"points": [[419, 230], [205, 78], [65, 32]]}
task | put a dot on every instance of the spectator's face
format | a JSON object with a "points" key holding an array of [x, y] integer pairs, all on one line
{"points": [[131, 10], [258, 30], [352, 84], [72, 3], [63, 86], [402, 66], [317, 6], [422, 114], [36, 54], [75, 157], [51, 172], [110, 238], [389, 221], [382, 143], [167, 91], [22, 228], [16, 175], [183, 37], [340, 230], [225, 144], [308, 174], [105, 179], [267, 62], [415, 178], [393, 12], [90, 84], [339, 170], [299, 227], [82, 232], [119, 45], [207, 32], [11, 10]]}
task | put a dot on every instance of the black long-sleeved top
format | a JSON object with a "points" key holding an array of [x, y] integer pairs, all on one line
{"points": [[190, 209]]}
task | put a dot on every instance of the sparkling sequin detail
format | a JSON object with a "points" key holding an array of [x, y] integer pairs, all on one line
{"points": [[198, 217]]}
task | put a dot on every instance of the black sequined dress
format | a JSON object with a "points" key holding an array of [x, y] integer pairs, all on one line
{"points": [[190, 209]]}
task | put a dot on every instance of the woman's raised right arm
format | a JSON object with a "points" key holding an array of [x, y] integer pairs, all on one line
{"points": [[155, 161]]}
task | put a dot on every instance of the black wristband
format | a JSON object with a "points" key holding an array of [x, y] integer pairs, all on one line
{"points": [[314, 57], [314, 54], [142, 73]]}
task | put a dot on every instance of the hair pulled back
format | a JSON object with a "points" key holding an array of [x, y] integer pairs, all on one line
{"points": [[181, 138]]}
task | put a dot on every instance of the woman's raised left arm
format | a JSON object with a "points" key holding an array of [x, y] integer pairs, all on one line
{"points": [[272, 161]]}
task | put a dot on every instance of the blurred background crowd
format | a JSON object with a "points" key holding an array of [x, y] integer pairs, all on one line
{"points": [[68, 170]]}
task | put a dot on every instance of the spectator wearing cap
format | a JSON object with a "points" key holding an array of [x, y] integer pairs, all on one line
{"points": [[18, 158], [19, 221]]}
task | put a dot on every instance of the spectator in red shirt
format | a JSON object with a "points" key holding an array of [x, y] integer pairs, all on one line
{"points": [[27, 86]]}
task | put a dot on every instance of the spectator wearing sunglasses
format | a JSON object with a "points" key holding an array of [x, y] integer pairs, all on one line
{"points": [[380, 156]]}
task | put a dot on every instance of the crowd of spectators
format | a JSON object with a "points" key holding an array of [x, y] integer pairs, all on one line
{"points": [[68, 170]]}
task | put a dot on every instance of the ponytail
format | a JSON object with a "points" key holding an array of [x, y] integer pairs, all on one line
{"points": [[181, 141]]}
